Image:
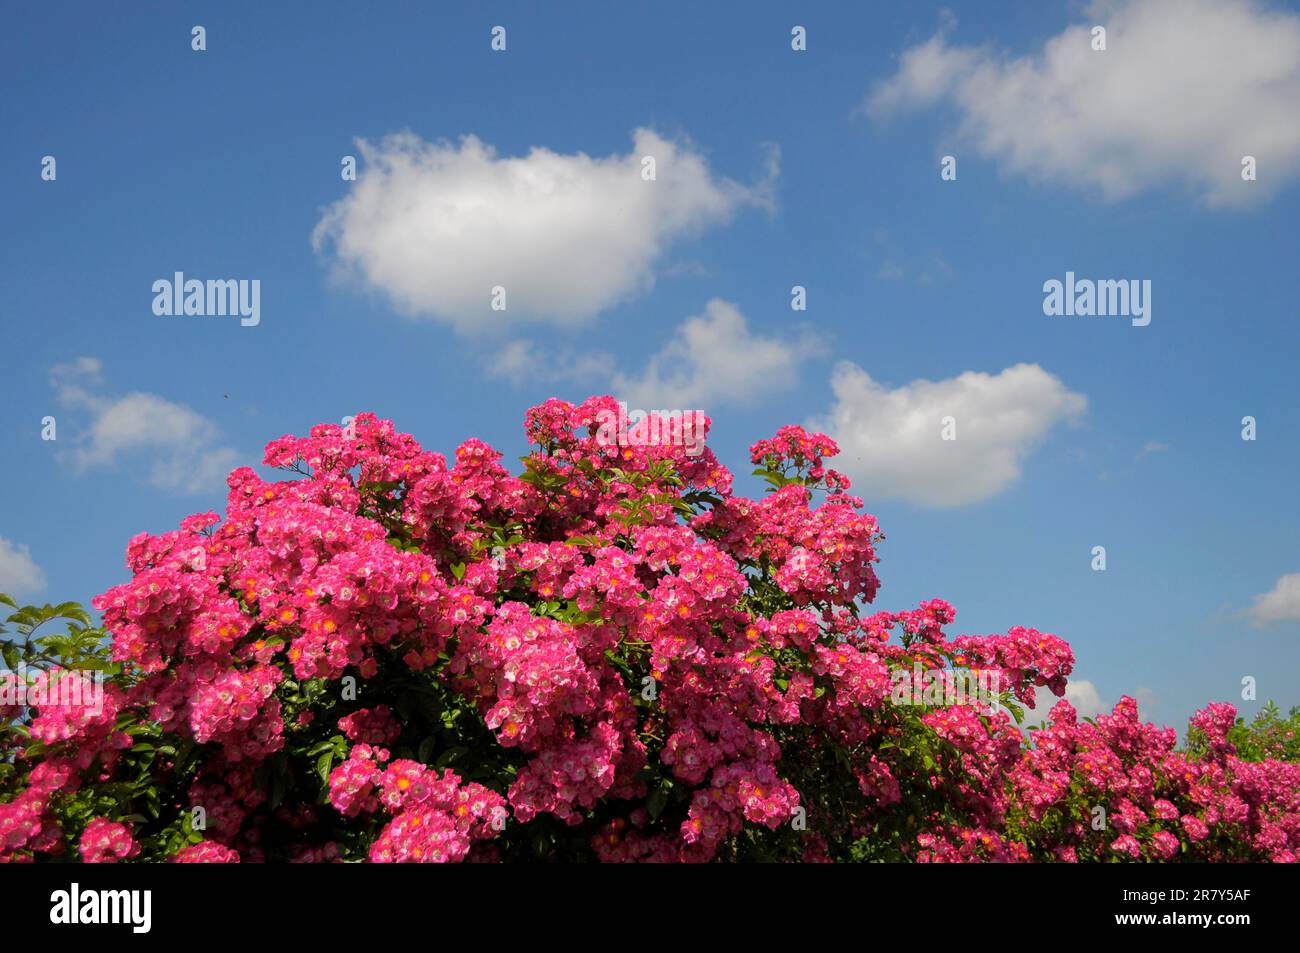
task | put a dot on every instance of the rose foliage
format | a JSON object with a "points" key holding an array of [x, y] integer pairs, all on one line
{"points": [[608, 657]]}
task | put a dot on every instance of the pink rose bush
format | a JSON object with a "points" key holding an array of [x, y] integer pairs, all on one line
{"points": [[386, 657]]}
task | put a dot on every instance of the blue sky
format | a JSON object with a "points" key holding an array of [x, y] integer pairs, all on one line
{"points": [[778, 168]]}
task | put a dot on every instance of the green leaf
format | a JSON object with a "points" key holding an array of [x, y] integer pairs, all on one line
{"points": [[277, 792], [658, 800], [449, 756], [541, 843]]}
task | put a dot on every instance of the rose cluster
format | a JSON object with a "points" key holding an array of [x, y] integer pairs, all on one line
{"points": [[610, 655]]}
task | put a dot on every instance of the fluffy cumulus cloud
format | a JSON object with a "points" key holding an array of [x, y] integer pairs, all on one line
{"points": [[1184, 90], [170, 445], [19, 574], [437, 226], [892, 440], [1080, 693], [715, 358], [1279, 604], [1087, 701]]}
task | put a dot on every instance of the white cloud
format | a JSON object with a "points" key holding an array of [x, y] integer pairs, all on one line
{"points": [[1280, 604], [714, 358], [892, 440], [890, 271], [1151, 446], [1085, 698], [1079, 692], [436, 226], [1087, 701], [19, 573], [897, 263], [176, 448], [1184, 90], [522, 361]]}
